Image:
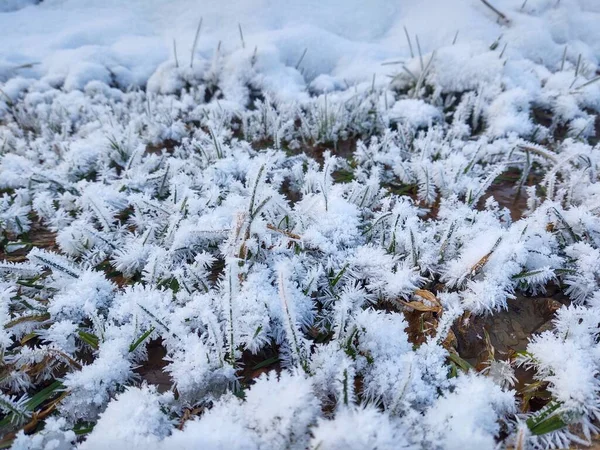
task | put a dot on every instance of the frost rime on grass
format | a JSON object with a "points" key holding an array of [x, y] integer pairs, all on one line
{"points": [[250, 234]]}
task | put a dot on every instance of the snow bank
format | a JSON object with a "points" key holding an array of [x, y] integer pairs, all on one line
{"points": [[72, 42]]}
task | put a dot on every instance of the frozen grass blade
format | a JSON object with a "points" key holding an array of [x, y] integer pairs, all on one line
{"points": [[16, 411], [547, 420], [412, 53], [577, 69], [540, 152], [53, 261], [141, 339], [301, 58], [412, 75], [241, 35], [175, 53], [422, 76], [392, 63], [503, 50], [195, 44], [89, 338], [420, 53], [501, 16], [588, 83]]}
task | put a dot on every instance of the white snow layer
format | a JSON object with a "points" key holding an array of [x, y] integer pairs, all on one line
{"points": [[72, 42]]}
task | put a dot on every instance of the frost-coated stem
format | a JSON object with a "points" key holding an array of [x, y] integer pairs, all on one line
{"points": [[53, 262], [229, 308], [412, 53], [241, 35], [175, 53], [500, 14], [195, 44], [290, 321], [301, 58]]}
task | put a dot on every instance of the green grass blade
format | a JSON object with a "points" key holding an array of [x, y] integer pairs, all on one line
{"points": [[141, 339]]}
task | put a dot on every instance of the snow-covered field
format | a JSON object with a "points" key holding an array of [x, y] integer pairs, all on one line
{"points": [[261, 224]]}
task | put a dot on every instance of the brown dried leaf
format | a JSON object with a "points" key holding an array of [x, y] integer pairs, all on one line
{"points": [[450, 342], [420, 306], [427, 295], [32, 318], [483, 261]]}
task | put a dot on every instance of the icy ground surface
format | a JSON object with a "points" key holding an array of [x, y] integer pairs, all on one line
{"points": [[275, 229]]}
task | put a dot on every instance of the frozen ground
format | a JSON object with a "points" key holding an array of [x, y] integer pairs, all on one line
{"points": [[299, 224]]}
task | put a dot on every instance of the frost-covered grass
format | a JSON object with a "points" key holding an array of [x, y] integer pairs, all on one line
{"points": [[302, 263]]}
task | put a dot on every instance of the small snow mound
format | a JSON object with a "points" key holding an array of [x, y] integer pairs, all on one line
{"points": [[415, 113]]}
